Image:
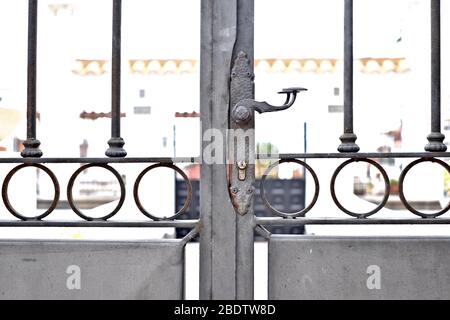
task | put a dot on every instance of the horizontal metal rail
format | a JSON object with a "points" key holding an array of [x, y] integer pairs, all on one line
{"points": [[281, 156], [103, 160], [359, 155], [274, 221], [102, 224]]}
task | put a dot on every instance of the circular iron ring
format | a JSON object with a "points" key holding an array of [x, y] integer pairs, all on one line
{"points": [[6, 185], [402, 195], [186, 181], [279, 213], [70, 191], [387, 188]]}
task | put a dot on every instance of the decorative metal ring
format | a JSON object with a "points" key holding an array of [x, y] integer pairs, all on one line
{"points": [[186, 180], [70, 191], [402, 195], [387, 188], [279, 213], [6, 198]]}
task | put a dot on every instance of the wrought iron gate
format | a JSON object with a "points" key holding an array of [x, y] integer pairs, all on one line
{"points": [[155, 268]]}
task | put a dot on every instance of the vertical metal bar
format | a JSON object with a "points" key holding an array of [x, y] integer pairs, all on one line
{"points": [[31, 143], [348, 138], [435, 138], [305, 148], [244, 223], [218, 218], [205, 254], [116, 142]]}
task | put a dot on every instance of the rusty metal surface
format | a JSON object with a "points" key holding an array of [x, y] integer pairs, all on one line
{"points": [[402, 194], [177, 170], [70, 200], [70, 191], [241, 188], [385, 195], [5, 196], [303, 211], [241, 146]]}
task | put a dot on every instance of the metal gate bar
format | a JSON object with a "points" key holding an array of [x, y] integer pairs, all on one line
{"points": [[102, 224], [164, 160], [359, 155], [272, 221], [31, 143], [116, 142], [348, 138], [435, 138]]}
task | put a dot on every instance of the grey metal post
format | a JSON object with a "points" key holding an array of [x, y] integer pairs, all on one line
{"points": [[218, 232], [348, 138], [116, 142], [435, 138], [31, 144], [226, 242]]}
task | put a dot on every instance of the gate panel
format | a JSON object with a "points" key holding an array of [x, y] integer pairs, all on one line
{"points": [[91, 269], [306, 267], [300, 267], [50, 269]]}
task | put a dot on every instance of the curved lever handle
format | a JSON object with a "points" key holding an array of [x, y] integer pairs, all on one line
{"points": [[241, 112], [262, 107]]}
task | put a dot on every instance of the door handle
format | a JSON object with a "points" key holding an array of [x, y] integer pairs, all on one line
{"points": [[241, 116], [242, 112]]}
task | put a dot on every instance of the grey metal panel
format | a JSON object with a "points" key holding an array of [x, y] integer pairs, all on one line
{"points": [[308, 267], [108, 270]]}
